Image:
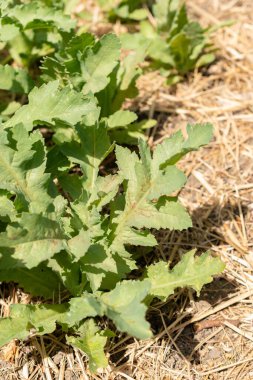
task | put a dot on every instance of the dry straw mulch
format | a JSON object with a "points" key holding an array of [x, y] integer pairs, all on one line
{"points": [[210, 337]]}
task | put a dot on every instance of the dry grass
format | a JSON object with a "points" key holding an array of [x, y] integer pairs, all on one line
{"points": [[210, 337]]}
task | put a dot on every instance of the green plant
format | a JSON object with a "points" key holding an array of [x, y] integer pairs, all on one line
{"points": [[126, 10], [177, 45], [67, 227], [30, 30], [51, 46], [67, 231], [91, 66], [187, 44]]}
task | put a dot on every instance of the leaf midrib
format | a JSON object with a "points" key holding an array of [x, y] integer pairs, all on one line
{"points": [[130, 211], [181, 282]]}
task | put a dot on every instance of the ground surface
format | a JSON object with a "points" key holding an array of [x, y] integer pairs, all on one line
{"points": [[210, 337]]}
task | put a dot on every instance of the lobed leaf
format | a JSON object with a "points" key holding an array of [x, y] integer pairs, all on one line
{"points": [[124, 306], [171, 150], [48, 104], [26, 320], [37, 15], [191, 271], [22, 169], [15, 80], [35, 238], [93, 147], [92, 343], [99, 63], [40, 281]]}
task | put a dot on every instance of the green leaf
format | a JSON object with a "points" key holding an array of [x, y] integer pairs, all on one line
{"points": [[38, 15], [94, 146], [190, 271], [86, 217], [171, 150], [121, 119], [134, 237], [123, 83], [131, 134], [166, 182], [79, 244], [65, 65], [15, 80], [98, 263], [29, 319], [92, 343], [161, 10], [35, 238], [205, 59], [126, 161], [8, 31], [67, 271], [8, 109], [7, 209], [4, 4], [172, 216], [104, 191], [99, 63], [22, 169], [124, 306], [139, 14], [48, 105], [40, 281], [146, 184], [83, 307]]}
